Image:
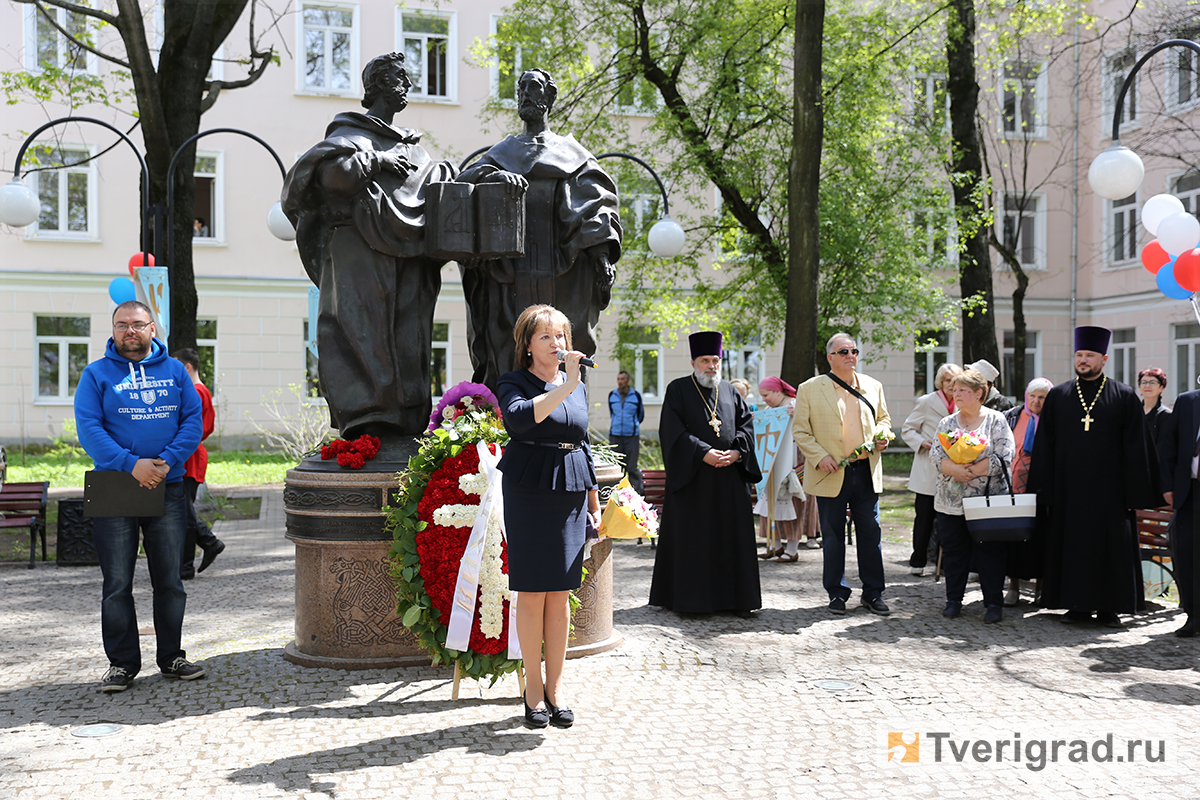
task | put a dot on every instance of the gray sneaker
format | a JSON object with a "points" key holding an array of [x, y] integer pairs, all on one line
{"points": [[117, 679], [183, 669]]}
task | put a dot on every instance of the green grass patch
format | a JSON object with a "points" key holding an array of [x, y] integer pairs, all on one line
{"points": [[225, 467]]}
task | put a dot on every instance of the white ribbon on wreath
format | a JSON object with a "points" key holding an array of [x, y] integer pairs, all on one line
{"points": [[491, 507]]}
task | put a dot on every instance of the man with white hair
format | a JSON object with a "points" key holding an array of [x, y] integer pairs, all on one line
{"points": [[836, 413], [707, 559]]}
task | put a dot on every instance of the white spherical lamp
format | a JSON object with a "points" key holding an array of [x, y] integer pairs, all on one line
{"points": [[1116, 173], [280, 226], [19, 206], [666, 238]]}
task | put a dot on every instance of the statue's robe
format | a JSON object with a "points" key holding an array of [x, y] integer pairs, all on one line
{"points": [[1092, 480], [361, 234], [706, 559], [570, 214]]}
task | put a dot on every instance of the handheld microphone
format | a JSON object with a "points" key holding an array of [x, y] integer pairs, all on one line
{"points": [[585, 361]]}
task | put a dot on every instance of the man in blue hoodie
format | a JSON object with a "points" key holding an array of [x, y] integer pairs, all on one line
{"points": [[137, 411], [624, 434]]}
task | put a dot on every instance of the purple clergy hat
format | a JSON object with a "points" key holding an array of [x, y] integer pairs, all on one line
{"points": [[705, 343], [1091, 337]]}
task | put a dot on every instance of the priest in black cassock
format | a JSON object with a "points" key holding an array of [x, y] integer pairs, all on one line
{"points": [[1093, 464], [706, 559]]}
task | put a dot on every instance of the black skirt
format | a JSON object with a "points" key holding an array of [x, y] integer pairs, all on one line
{"points": [[546, 530]]}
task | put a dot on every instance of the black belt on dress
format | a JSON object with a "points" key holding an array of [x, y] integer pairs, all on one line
{"points": [[555, 445]]}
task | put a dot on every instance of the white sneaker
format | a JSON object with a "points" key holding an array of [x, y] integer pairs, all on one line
{"points": [[1012, 596], [918, 571]]}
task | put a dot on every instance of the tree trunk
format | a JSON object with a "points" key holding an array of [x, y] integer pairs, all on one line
{"points": [[975, 278], [801, 350]]}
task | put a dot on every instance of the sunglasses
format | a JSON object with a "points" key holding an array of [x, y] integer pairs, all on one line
{"points": [[845, 352]]}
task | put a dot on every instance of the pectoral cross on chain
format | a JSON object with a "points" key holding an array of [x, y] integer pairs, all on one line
{"points": [[715, 423], [1087, 421]]}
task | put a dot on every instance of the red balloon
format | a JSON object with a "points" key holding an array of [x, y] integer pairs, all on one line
{"points": [[1154, 256], [1187, 270], [140, 260]]}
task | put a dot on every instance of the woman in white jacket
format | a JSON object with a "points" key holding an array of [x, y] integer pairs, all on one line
{"points": [[918, 432]]}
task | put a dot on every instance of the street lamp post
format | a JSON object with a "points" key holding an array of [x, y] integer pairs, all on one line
{"points": [[666, 238], [20, 207]]}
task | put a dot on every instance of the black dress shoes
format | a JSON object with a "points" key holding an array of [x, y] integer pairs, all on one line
{"points": [[536, 717], [559, 717], [1188, 631], [210, 555]]}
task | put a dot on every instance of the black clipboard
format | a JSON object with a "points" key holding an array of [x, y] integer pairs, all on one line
{"points": [[112, 493]]}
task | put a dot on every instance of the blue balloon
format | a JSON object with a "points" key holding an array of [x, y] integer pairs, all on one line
{"points": [[121, 290], [1167, 284]]}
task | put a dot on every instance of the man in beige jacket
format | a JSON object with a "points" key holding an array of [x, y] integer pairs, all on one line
{"points": [[835, 414]]}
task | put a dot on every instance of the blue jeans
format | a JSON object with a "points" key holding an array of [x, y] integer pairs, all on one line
{"points": [[116, 540], [858, 493]]}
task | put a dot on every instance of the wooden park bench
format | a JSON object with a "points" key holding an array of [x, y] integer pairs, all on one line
{"points": [[24, 505]]}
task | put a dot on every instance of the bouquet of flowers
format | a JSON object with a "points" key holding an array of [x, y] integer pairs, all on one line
{"points": [[352, 455], [469, 402], [628, 515], [882, 434], [962, 447]]}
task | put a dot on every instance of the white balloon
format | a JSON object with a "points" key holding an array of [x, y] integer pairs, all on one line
{"points": [[1158, 208], [1179, 233], [279, 225]]}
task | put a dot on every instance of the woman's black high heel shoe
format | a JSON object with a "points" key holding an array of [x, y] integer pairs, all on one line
{"points": [[559, 717], [535, 717]]}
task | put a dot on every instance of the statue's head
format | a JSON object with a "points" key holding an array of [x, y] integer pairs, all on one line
{"points": [[383, 75], [536, 93]]}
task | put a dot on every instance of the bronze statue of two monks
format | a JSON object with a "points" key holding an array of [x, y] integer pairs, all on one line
{"points": [[534, 220]]}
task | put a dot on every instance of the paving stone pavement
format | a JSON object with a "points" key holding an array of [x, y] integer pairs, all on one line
{"points": [[711, 707]]}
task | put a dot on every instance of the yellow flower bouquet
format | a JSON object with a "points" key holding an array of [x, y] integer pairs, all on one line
{"points": [[628, 515], [962, 447]]}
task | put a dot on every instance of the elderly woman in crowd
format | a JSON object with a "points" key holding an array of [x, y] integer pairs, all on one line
{"points": [[1151, 383], [919, 432], [955, 481], [1024, 558]]}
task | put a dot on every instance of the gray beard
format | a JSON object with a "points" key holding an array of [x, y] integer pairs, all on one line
{"points": [[704, 379]]}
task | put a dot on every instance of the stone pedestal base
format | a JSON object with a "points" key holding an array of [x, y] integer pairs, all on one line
{"points": [[593, 628]]}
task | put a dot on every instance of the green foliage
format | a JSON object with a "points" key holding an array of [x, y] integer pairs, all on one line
{"points": [[225, 467], [721, 115]]}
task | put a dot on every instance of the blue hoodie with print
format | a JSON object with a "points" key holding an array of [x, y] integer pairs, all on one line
{"points": [[126, 410]]}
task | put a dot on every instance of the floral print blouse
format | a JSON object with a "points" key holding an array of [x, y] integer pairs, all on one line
{"points": [[1000, 445]]}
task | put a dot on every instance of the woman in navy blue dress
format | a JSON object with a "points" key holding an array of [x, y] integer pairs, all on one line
{"points": [[549, 493]]}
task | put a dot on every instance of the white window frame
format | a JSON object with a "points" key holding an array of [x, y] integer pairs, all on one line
{"points": [[91, 62], [1189, 197], [1123, 357], [640, 210], [1122, 218], [1039, 229], [1112, 82], [519, 67], [732, 363], [216, 225], [302, 87], [65, 396], [929, 357], [923, 106], [417, 92], [1037, 129], [445, 345], [216, 365], [1178, 55], [636, 109], [1185, 339], [639, 353], [1006, 354], [34, 231]]}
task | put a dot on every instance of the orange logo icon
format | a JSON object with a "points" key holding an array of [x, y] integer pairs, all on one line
{"points": [[903, 747]]}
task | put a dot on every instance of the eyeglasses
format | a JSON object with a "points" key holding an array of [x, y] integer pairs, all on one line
{"points": [[845, 351], [1149, 383], [121, 327]]}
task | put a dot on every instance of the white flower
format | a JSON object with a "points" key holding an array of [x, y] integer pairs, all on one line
{"points": [[448, 413], [492, 581], [466, 401], [476, 483], [455, 516]]}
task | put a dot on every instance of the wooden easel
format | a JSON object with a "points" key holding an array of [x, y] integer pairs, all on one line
{"points": [[458, 679]]}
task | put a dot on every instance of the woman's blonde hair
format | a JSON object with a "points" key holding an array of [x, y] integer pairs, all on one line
{"points": [[944, 373], [972, 379], [533, 319]]}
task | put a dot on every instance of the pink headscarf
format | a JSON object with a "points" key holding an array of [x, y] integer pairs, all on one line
{"points": [[773, 384]]}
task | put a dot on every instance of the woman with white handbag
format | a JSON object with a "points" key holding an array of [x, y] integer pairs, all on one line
{"points": [[971, 453]]}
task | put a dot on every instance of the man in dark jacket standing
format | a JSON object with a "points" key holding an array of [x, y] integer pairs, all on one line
{"points": [[1178, 456], [137, 411], [625, 432]]}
